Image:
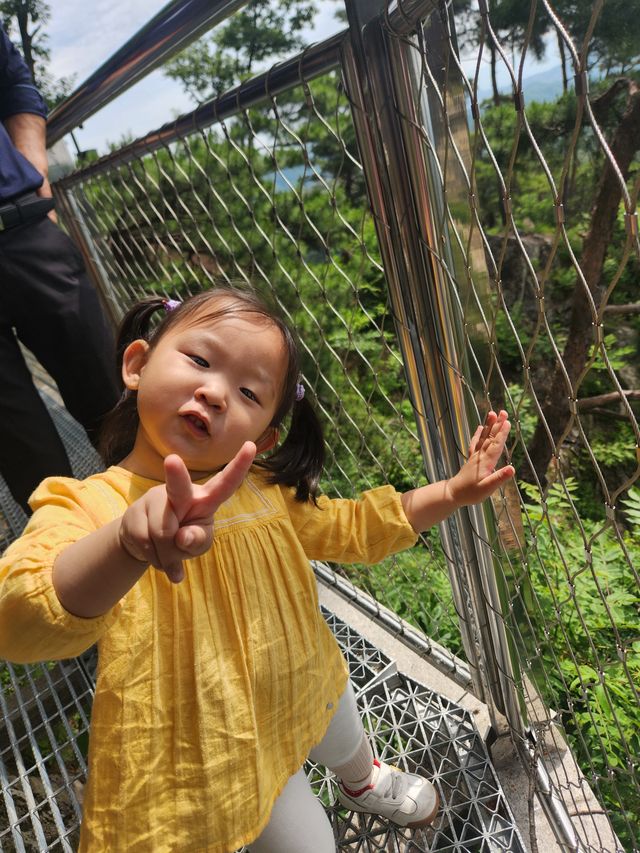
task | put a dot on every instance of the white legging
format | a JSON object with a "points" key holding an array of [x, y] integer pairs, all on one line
{"points": [[298, 822]]}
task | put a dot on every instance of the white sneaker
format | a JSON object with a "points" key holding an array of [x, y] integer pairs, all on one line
{"points": [[404, 798]]}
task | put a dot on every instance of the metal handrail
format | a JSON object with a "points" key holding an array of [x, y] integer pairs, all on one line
{"points": [[311, 62], [172, 29]]}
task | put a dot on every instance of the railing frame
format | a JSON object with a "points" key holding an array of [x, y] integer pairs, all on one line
{"points": [[171, 30], [401, 181]]}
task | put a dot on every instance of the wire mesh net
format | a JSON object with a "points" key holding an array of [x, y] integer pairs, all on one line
{"points": [[540, 223], [274, 198]]}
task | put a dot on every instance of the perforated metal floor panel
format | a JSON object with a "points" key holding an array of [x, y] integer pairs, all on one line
{"points": [[421, 731], [45, 723], [43, 747]]}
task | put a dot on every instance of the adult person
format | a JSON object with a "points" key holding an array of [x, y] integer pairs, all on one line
{"points": [[46, 298]]}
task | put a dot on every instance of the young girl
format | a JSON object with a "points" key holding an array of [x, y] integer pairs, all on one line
{"points": [[188, 562]]}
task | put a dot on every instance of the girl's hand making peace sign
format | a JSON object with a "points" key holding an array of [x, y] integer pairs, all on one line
{"points": [[169, 523], [174, 521]]}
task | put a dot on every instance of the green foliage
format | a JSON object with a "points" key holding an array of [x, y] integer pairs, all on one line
{"points": [[532, 193], [617, 355], [615, 41], [587, 606], [415, 586], [632, 512], [613, 445]]}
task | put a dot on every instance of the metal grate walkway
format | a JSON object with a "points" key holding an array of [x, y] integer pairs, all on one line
{"points": [[420, 731], [45, 723], [44, 734]]}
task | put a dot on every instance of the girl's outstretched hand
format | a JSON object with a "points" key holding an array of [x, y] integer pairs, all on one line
{"points": [[478, 477], [174, 521]]}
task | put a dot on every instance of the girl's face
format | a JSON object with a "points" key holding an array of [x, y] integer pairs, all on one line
{"points": [[203, 390]]}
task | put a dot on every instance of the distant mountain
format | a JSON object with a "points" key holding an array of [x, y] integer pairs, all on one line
{"points": [[543, 86]]}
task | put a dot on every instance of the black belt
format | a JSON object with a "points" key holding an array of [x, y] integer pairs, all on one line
{"points": [[25, 208]]}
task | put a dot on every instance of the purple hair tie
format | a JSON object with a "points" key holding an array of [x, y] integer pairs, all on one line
{"points": [[170, 304], [299, 391]]}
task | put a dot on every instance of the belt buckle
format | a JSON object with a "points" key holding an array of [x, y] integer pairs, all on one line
{"points": [[4, 208]]}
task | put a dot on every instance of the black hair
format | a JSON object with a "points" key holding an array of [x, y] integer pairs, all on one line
{"points": [[298, 461]]}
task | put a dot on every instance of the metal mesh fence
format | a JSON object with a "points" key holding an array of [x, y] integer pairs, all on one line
{"points": [[274, 197], [532, 228], [535, 229]]}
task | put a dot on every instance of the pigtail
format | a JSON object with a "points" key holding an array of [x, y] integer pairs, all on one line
{"points": [[119, 428], [299, 460], [136, 324]]}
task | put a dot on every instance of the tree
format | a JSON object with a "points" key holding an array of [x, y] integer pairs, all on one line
{"points": [[512, 25], [614, 43], [30, 16], [624, 143], [263, 31]]}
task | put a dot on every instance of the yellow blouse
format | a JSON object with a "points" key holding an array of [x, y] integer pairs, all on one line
{"points": [[210, 694]]}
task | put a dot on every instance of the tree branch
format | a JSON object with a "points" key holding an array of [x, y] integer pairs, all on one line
{"points": [[556, 418], [602, 104], [609, 413], [589, 403], [630, 308]]}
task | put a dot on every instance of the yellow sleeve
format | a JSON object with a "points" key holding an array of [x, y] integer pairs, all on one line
{"points": [[347, 531], [34, 626]]}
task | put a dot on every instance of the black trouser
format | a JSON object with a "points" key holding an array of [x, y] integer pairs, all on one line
{"points": [[48, 301]]}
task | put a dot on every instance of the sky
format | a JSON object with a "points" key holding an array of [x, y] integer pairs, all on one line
{"points": [[83, 35]]}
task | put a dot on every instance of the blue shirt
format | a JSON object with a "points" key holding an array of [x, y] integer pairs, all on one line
{"points": [[17, 95]]}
